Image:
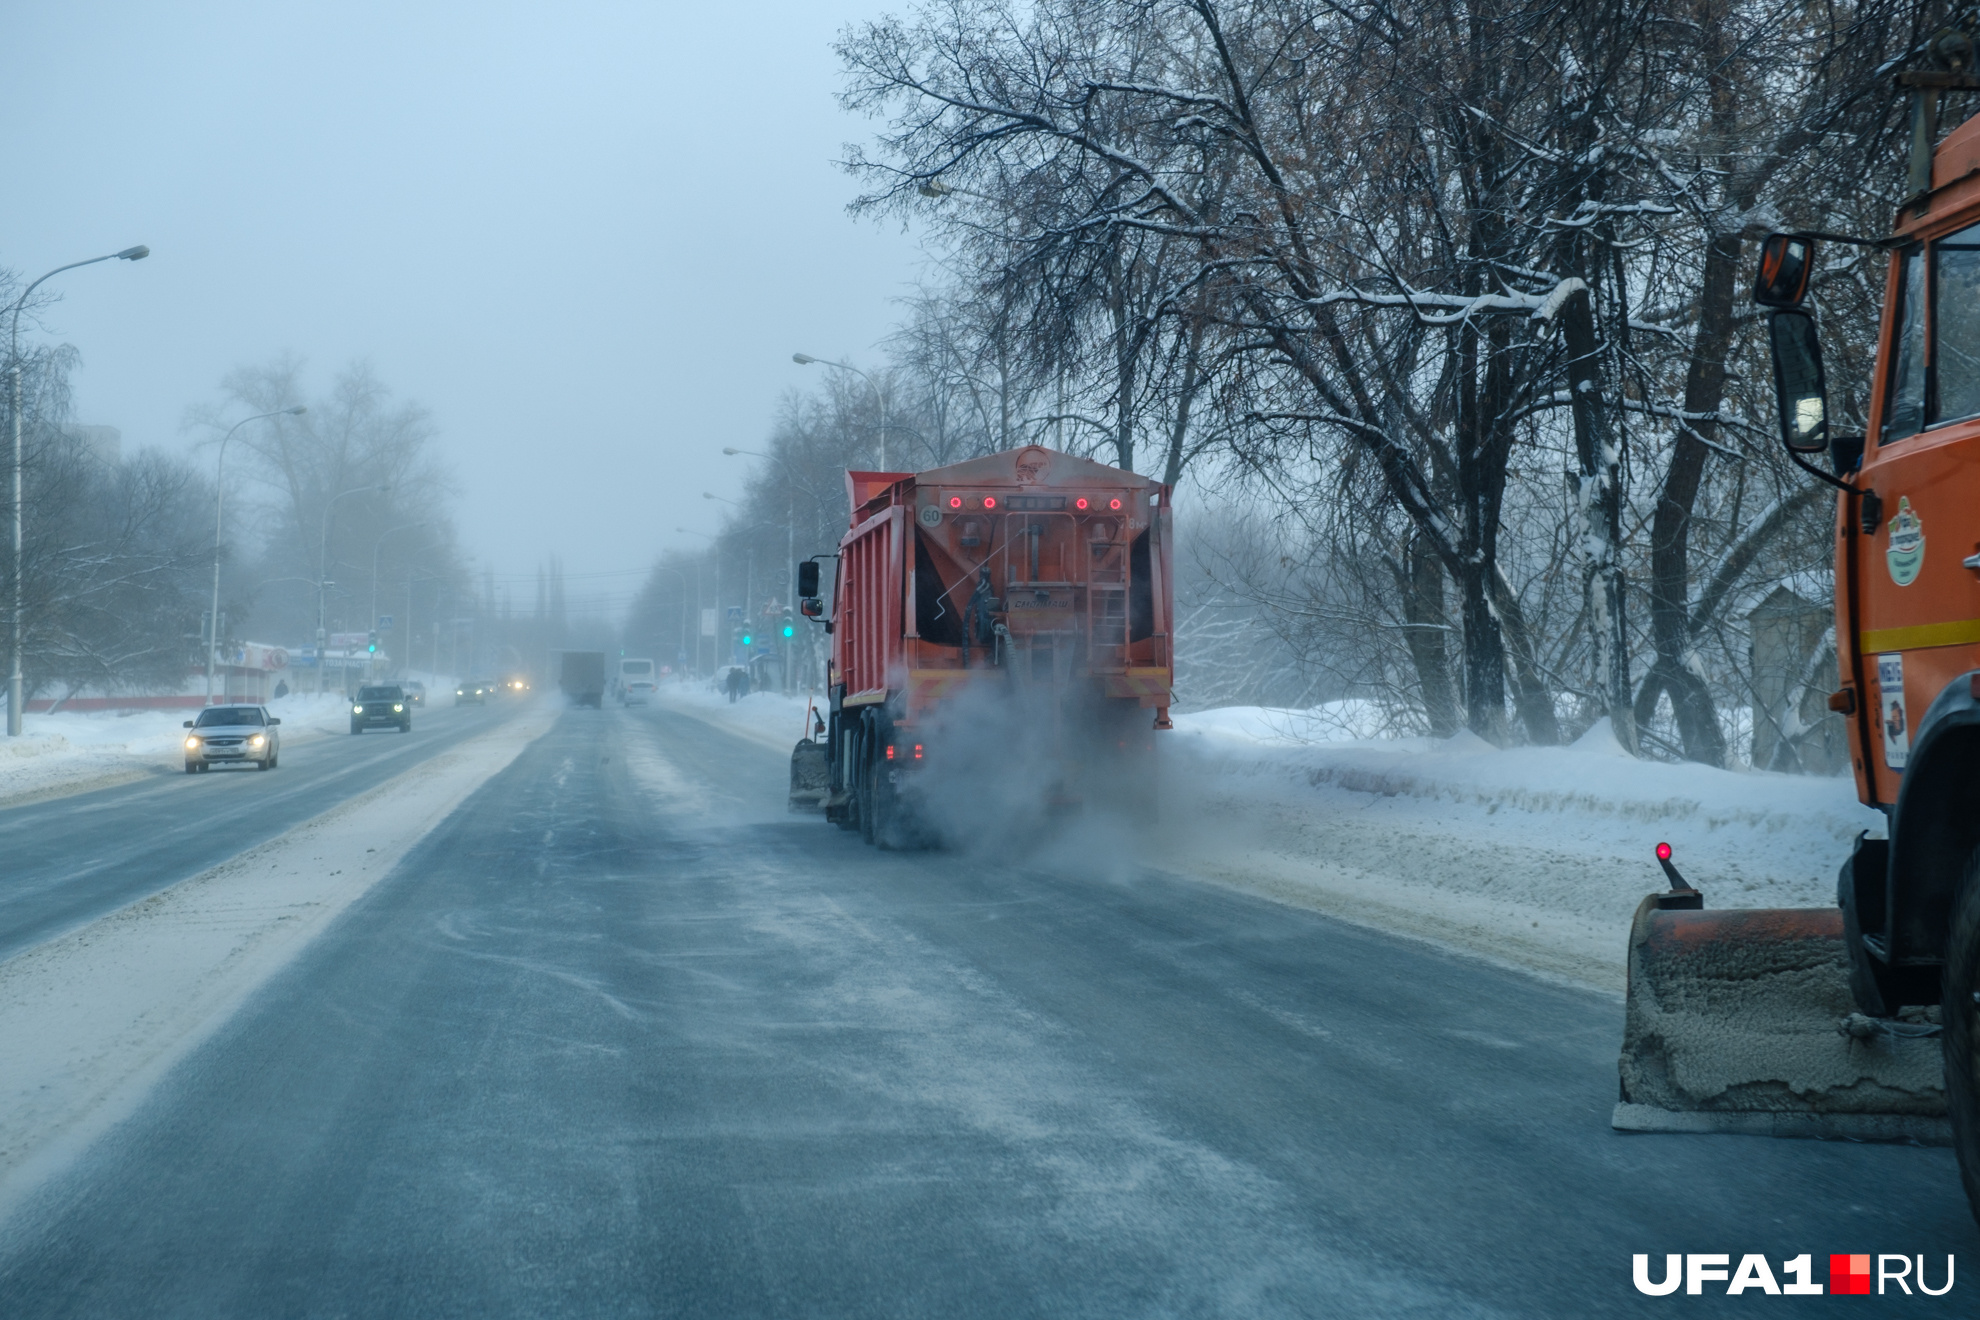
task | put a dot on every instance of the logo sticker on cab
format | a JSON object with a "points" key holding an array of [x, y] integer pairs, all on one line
{"points": [[1906, 551]]}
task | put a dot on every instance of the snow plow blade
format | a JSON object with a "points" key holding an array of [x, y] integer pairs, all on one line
{"points": [[811, 776], [1741, 1021]]}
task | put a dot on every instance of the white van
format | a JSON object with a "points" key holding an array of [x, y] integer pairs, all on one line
{"points": [[636, 682]]}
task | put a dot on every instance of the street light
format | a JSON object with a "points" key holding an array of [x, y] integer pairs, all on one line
{"points": [[414, 555], [14, 684], [219, 499], [697, 587], [662, 568], [373, 627], [790, 543], [805, 360], [323, 569]]}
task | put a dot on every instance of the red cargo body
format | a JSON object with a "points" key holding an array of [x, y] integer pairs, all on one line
{"points": [[1034, 577]]}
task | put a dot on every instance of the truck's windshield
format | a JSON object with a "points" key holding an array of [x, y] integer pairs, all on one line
{"points": [[1904, 411], [1949, 389], [1956, 326]]}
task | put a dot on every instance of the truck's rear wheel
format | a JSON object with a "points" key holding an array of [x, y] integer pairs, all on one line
{"points": [[1960, 1009], [865, 761]]}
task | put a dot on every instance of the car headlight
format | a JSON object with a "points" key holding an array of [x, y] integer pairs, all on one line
{"points": [[256, 741], [357, 710], [192, 744], [396, 707]]}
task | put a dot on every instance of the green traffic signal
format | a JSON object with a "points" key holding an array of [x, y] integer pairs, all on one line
{"points": [[789, 631], [747, 639]]}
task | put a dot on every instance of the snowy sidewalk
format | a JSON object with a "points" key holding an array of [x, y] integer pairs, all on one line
{"points": [[1535, 857]]}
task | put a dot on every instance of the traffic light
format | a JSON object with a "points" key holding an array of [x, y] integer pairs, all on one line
{"points": [[371, 644], [789, 632], [748, 640]]}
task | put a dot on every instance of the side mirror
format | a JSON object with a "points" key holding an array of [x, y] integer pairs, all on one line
{"points": [[807, 578], [811, 607], [1798, 382], [186, 725], [1786, 262], [274, 719]]}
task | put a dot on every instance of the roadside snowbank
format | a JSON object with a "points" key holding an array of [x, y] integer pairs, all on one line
{"points": [[70, 751], [1537, 856], [770, 718], [1532, 856]]}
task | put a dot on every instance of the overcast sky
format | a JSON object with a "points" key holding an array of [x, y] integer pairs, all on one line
{"points": [[587, 236]]}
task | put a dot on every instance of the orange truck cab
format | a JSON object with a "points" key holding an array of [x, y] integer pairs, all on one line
{"points": [[1907, 583], [1020, 603]]}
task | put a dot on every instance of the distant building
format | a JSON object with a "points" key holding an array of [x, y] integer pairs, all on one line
{"points": [[1793, 664]]}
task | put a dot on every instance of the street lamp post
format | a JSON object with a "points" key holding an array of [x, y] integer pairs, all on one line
{"points": [[697, 590], [409, 607], [373, 625], [790, 546], [219, 502], [322, 571], [662, 568], [15, 693], [805, 360]]}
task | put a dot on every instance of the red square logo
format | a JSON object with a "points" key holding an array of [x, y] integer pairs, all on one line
{"points": [[1849, 1274]]}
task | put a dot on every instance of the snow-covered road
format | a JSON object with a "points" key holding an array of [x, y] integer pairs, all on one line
{"points": [[622, 1036], [616, 1033]]}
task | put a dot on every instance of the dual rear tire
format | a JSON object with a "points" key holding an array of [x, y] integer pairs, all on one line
{"points": [[873, 804]]}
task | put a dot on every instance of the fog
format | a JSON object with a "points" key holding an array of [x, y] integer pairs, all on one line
{"points": [[587, 237]]}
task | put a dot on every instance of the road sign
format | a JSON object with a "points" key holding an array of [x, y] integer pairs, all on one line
{"points": [[384, 623], [708, 623]]}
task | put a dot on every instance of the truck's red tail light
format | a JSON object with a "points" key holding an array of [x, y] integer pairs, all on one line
{"points": [[989, 501], [917, 751], [1079, 504], [1113, 504], [955, 501], [890, 751]]}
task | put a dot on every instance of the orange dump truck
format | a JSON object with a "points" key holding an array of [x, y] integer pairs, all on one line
{"points": [[1001, 646], [1862, 1019]]}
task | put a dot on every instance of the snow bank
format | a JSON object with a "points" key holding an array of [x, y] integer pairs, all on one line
{"points": [[70, 751], [1537, 856], [770, 718]]}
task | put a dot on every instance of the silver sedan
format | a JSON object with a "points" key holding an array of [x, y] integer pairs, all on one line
{"points": [[233, 735]]}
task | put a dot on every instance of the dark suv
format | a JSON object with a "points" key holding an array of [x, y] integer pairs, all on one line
{"points": [[381, 705]]}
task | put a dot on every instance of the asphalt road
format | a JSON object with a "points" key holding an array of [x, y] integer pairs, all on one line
{"points": [[621, 1038], [70, 860]]}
